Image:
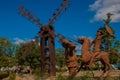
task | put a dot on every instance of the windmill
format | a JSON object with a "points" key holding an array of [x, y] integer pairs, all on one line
{"points": [[47, 36]]}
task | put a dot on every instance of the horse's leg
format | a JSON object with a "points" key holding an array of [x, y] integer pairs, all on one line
{"points": [[103, 71], [80, 67], [92, 60], [81, 58], [107, 65]]}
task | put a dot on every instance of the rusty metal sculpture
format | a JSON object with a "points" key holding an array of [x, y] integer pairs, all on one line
{"points": [[86, 54], [71, 58], [47, 36], [97, 44], [98, 40], [47, 45], [97, 54], [47, 49], [101, 56]]}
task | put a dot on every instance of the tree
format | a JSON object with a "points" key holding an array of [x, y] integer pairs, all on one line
{"points": [[6, 47], [115, 46], [29, 54], [60, 58], [6, 53], [108, 20], [109, 42], [6, 61]]}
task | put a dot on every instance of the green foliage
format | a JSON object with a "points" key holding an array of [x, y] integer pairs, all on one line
{"points": [[7, 61], [29, 54], [60, 77], [107, 41], [85, 77], [60, 59], [6, 47], [4, 61], [12, 76], [37, 74], [116, 45], [113, 59], [4, 75], [110, 43], [108, 19]]}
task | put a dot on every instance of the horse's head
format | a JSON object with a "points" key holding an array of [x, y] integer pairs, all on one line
{"points": [[81, 40]]}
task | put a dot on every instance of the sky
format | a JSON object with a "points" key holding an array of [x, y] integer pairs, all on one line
{"points": [[81, 19]]}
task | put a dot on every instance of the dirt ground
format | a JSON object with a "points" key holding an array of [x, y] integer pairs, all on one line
{"points": [[23, 77], [81, 73], [96, 73]]}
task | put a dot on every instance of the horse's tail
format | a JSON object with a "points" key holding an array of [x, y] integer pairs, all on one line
{"points": [[114, 53]]}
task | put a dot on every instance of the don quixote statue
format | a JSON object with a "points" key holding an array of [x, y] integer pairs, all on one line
{"points": [[47, 46]]}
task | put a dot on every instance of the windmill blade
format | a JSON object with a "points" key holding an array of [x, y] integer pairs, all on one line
{"points": [[20, 9], [63, 7], [28, 13], [64, 37], [66, 2], [30, 16], [37, 20], [55, 16], [51, 21], [58, 12], [24, 13]]}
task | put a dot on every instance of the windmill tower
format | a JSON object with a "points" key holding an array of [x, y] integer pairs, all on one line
{"points": [[47, 36]]}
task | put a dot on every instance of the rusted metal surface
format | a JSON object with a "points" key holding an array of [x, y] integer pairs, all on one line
{"points": [[47, 37], [109, 30], [30, 16], [88, 58], [71, 58], [85, 50], [96, 45], [98, 40], [47, 50]]}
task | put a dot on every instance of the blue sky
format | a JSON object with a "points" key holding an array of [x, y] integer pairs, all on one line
{"points": [[82, 18]]}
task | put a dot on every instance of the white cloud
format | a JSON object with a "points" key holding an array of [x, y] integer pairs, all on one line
{"points": [[18, 41], [96, 5], [102, 7]]}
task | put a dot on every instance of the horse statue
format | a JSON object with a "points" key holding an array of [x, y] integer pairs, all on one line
{"points": [[87, 55]]}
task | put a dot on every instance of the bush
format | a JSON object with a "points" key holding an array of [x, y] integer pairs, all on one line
{"points": [[4, 74], [37, 74], [85, 77], [60, 77], [12, 76]]}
